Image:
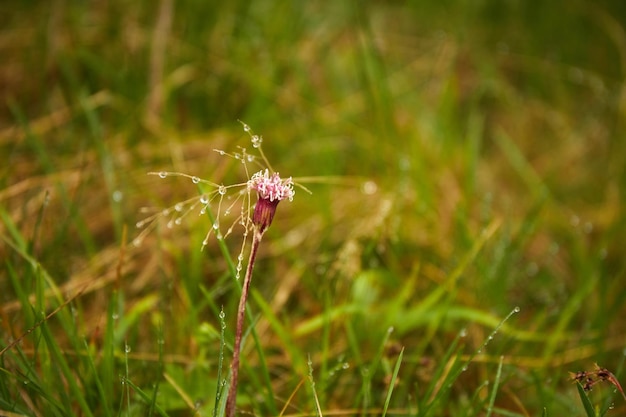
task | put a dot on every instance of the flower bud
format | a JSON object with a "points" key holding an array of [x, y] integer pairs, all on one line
{"points": [[271, 189]]}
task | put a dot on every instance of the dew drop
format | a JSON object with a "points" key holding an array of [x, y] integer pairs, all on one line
{"points": [[246, 128], [222, 314], [127, 349], [216, 225], [117, 196], [256, 141], [517, 309], [136, 242], [204, 199], [369, 188], [345, 365], [178, 221], [178, 207], [222, 189], [162, 174], [195, 180]]}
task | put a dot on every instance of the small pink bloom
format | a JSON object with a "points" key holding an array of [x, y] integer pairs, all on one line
{"points": [[271, 189]]}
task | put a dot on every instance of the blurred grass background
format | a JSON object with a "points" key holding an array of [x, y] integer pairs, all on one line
{"points": [[472, 158]]}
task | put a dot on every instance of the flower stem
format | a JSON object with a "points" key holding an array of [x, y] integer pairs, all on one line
{"points": [[241, 314]]}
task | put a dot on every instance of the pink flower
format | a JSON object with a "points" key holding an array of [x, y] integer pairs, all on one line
{"points": [[271, 189]]}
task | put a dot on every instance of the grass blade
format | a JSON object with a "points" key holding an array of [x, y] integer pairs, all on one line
{"points": [[392, 382]]}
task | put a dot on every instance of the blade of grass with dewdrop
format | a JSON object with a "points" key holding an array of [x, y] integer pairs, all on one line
{"points": [[392, 383], [221, 384], [318, 407], [459, 366]]}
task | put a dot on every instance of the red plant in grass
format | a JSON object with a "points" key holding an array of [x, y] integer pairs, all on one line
{"points": [[590, 378], [270, 189]]}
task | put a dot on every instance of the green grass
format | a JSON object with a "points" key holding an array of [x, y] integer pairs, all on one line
{"points": [[467, 158]]}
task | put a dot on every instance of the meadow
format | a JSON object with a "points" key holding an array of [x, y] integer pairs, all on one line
{"points": [[455, 245]]}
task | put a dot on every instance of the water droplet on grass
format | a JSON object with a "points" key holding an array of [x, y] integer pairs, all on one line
{"points": [[117, 196], [369, 188], [162, 174]]}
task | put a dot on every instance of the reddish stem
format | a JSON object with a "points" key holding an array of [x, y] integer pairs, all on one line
{"points": [[241, 315]]}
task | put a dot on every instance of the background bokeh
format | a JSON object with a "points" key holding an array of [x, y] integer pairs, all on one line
{"points": [[464, 158]]}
